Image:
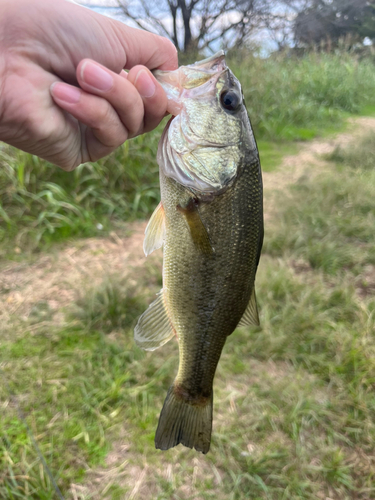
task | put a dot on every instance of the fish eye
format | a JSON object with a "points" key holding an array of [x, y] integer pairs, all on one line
{"points": [[230, 100]]}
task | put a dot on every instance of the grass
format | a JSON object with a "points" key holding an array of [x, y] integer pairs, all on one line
{"points": [[271, 153], [288, 100], [333, 230], [41, 203], [294, 400], [368, 110]]}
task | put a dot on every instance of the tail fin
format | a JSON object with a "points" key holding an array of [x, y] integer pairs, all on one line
{"points": [[184, 422]]}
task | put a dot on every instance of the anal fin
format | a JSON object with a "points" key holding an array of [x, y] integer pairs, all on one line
{"points": [[154, 327], [250, 316], [155, 230]]}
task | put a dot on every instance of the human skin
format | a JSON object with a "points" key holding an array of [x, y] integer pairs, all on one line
{"points": [[64, 94]]}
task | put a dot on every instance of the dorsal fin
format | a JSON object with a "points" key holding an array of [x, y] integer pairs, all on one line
{"points": [[250, 316], [154, 327], [155, 230]]}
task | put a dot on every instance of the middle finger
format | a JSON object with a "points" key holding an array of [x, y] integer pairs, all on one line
{"points": [[117, 90]]}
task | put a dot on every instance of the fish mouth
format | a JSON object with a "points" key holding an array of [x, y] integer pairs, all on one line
{"points": [[214, 63], [189, 77], [193, 75]]}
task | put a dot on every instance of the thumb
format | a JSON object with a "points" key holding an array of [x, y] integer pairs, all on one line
{"points": [[147, 49]]}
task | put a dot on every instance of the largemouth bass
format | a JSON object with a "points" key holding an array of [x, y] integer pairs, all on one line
{"points": [[210, 223]]}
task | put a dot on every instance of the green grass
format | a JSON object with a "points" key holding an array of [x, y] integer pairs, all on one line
{"points": [[358, 158], [368, 110], [271, 153], [288, 100], [294, 400], [111, 306]]}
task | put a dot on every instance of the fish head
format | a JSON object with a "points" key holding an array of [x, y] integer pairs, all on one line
{"points": [[210, 132]]}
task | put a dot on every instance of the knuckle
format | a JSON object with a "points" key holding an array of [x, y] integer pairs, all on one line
{"points": [[104, 116], [134, 124], [151, 123], [112, 136], [135, 132]]}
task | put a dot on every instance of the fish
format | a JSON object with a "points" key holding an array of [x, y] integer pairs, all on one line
{"points": [[210, 224]]}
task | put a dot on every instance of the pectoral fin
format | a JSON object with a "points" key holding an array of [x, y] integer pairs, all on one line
{"points": [[155, 231], [250, 316], [154, 327], [198, 231]]}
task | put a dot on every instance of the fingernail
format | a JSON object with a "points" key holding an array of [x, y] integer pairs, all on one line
{"points": [[95, 76], [145, 84], [65, 92]]}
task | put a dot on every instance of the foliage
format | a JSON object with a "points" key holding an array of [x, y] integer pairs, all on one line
{"points": [[289, 98], [195, 25], [41, 203], [359, 158], [113, 305]]}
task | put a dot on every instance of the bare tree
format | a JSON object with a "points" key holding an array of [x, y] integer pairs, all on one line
{"points": [[279, 22], [200, 24]]}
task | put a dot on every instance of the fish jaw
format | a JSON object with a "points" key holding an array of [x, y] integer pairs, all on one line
{"points": [[186, 78]]}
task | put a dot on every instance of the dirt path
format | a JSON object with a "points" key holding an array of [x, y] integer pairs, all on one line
{"points": [[53, 280], [309, 161]]}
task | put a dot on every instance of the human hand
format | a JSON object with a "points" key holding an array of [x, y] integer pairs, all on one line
{"points": [[63, 93]]}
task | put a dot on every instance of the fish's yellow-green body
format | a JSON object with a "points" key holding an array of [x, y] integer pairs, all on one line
{"points": [[211, 226]]}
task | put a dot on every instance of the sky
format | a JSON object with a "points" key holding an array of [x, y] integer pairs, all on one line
{"points": [[111, 9]]}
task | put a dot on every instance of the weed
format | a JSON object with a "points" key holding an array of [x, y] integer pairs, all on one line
{"points": [[113, 305]]}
